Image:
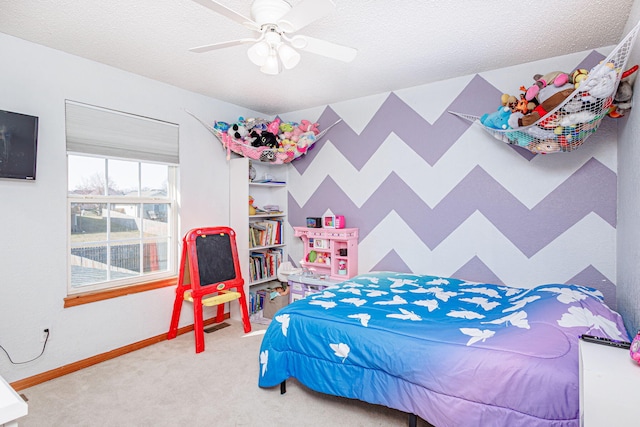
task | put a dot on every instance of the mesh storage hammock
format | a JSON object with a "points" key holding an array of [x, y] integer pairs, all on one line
{"points": [[565, 126], [287, 146]]}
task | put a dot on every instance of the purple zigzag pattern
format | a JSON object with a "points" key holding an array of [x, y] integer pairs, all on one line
{"points": [[590, 276], [429, 141], [392, 262], [592, 188], [477, 271]]}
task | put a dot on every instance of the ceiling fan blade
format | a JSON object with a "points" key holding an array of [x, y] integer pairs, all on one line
{"points": [[305, 13], [229, 13], [324, 48], [215, 46]]}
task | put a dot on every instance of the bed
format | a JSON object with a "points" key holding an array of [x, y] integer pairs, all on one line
{"points": [[453, 353]]}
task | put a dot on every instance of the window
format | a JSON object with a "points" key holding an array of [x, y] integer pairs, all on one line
{"points": [[122, 208]]}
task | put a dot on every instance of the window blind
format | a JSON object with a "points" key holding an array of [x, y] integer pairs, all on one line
{"points": [[110, 133]]}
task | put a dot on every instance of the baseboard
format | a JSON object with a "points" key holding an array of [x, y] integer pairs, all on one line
{"points": [[93, 360]]}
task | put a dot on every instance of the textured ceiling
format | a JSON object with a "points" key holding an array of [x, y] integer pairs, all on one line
{"points": [[400, 43]]}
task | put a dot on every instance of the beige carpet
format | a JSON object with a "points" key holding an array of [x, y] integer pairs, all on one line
{"points": [[167, 384]]}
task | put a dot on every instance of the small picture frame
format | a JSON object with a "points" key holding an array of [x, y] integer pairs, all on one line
{"points": [[329, 221], [321, 244]]}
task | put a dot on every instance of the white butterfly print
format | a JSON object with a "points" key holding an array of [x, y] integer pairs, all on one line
{"points": [[518, 319], [439, 281], [579, 316], [340, 350], [477, 334], [405, 315], [484, 291], [482, 302], [355, 301], [509, 291], [324, 304], [326, 294], [264, 359], [431, 304], [353, 285], [363, 317], [441, 294], [521, 303], [397, 299], [465, 314], [376, 293], [566, 295], [284, 321]]}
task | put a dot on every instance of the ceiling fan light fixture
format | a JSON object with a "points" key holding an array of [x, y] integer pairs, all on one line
{"points": [[271, 65], [258, 53], [289, 56]]}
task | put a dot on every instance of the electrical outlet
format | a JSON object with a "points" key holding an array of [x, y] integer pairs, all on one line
{"points": [[45, 334]]}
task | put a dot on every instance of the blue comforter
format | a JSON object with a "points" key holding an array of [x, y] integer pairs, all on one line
{"points": [[454, 353]]}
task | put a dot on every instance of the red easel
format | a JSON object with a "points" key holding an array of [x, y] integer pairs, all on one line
{"points": [[209, 269]]}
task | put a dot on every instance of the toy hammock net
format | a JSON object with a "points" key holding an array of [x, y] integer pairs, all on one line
{"points": [[565, 127], [288, 146]]}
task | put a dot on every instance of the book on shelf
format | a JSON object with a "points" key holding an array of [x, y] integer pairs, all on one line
{"points": [[264, 265], [256, 300], [265, 233]]}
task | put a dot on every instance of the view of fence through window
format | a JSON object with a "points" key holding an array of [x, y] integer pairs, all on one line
{"points": [[120, 220]]}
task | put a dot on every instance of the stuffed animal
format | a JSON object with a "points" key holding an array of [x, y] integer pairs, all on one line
{"points": [[221, 126], [237, 131], [286, 127], [288, 147], [268, 155], [265, 139], [294, 135], [305, 141], [549, 98], [523, 105], [252, 209], [307, 126], [578, 76], [274, 126], [498, 119], [510, 101], [622, 100], [601, 81], [557, 78], [544, 147], [257, 125]]}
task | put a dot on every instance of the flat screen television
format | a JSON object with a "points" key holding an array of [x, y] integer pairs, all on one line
{"points": [[18, 145]]}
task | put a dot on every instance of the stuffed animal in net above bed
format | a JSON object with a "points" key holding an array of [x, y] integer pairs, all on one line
{"points": [[274, 141], [560, 110]]}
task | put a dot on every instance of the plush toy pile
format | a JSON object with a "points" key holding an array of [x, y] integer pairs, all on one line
{"points": [[268, 141], [559, 110]]}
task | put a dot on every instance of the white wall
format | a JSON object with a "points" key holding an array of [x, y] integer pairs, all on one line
{"points": [[628, 239], [33, 220]]}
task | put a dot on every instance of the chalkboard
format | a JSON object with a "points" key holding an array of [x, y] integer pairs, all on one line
{"points": [[215, 258]]}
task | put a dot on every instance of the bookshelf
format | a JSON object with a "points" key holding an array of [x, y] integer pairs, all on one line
{"points": [[260, 236]]}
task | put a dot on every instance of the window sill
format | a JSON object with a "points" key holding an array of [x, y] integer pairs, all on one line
{"points": [[89, 297]]}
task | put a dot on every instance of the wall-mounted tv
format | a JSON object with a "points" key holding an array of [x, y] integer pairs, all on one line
{"points": [[18, 145]]}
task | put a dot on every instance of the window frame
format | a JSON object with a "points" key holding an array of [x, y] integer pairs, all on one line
{"points": [[118, 287]]}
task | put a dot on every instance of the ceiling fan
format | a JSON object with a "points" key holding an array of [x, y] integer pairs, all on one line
{"points": [[275, 21]]}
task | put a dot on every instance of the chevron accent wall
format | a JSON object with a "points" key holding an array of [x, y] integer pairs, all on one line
{"points": [[434, 194]]}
